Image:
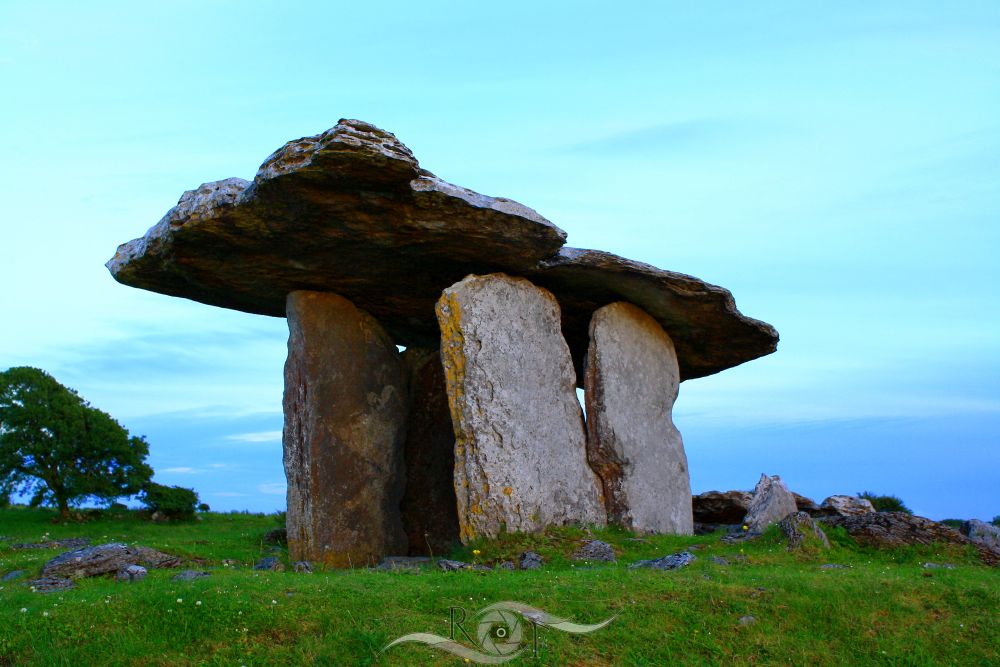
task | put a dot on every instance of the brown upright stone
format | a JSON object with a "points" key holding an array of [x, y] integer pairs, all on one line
{"points": [[520, 453], [430, 518], [345, 420], [632, 443]]}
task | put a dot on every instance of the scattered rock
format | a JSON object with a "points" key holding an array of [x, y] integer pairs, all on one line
{"points": [[981, 532], [504, 565], [520, 448], [595, 550], [14, 574], [804, 504], [271, 564], [69, 543], [345, 421], [630, 386], [844, 506], [105, 559], [832, 566], [746, 620], [895, 529], [190, 575], [277, 536], [771, 502], [529, 560], [939, 566], [718, 560], [402, 563], [51, 584], [671, 562], [454, 565], [302, 567], [131, 573], [720, 508], [802, 532]]}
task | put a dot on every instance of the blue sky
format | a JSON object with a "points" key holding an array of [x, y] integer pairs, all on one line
{"points": [[835, 165]]}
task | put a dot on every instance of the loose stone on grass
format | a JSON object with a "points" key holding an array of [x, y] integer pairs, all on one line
{"points": [[190, 575], [132, 573], [670, 562], [595, 550], [529, 560]]}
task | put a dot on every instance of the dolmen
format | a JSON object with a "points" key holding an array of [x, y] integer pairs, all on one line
{"points": [[437, 337]]}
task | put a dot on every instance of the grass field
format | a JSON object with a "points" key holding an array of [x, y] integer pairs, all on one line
{"points": [[885, 608]]}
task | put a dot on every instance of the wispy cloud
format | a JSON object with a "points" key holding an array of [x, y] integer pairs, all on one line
{"points": [[227, 494], [272, 488], [184, 470], [260, 436]]}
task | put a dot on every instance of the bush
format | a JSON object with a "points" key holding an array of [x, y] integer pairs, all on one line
{"points": [[175, 502], [204, 507], [996, 520], [885, 503]]}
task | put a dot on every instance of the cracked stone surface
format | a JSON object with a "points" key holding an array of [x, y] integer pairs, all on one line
{"points": [[520, 453]]}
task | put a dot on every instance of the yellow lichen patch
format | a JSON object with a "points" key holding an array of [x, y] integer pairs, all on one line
{"points": [[476, 509], [507, 490]]}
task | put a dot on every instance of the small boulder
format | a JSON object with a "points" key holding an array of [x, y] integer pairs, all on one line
{"points": [[190, 575], [51, 584], [504, 565], [402, 563], [802, 532], [303, 567], [455, 565], [845, 506], [132, 573], [746, 620], [938, 566], [105, 559], [529, 560], [670, 562], [14, 574], [271, 564], [804, 504], [595, 550], [771, 502], [982, 533], [718, 560]]}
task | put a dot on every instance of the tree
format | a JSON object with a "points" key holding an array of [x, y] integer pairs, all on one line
{"points": [[174, 502], [885, 503], [57, 447]]}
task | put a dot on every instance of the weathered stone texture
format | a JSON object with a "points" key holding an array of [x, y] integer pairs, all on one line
{"points": [[428, 508], [721, 507], [632, 443], [844, 506], [520, 453], [345, 420], [771, 502]]}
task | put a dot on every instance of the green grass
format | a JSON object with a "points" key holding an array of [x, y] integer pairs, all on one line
{"points": [[885, 609]]}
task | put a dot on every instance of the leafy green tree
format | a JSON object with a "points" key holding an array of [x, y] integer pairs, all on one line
{"points": [[58, 448], [885, 503], [174, 502]]}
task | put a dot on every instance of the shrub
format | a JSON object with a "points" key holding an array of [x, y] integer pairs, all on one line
{"points": [[175, 502], [885, 503], [996, 520], [204, 507]]}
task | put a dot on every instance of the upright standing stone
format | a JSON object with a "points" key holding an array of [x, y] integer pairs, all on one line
{"points": [[345, 420], [520, 452], [771, 502], [429, 515], [631, 385]]}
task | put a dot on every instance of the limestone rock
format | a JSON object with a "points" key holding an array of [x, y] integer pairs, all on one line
{"points": [[804, 504], [845, 506], [13, 574], [721, 507], [669, 562], [801, 531], [104, 559], [51, 584], [708, 332], [190, 575], [771, 502], [895, 529], [529, 560], [345, 420], [132, 573], [270, 564], [984, 533], [350, 211], [520, 453], [595, 550], [632, 443], [428, 507], [302, 567], [69, 543], [402, 563]]}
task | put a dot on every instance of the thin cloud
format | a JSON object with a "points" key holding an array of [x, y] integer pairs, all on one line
{"points": [[272, 488], [183, 470], [260, 436], [227, 494]]}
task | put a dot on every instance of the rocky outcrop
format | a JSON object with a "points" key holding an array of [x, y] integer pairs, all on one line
{"points": [[350, 211], [802, 532], [594, 550], [520, 454], [896, 529], [345, 420], [844, 506], [771, 502], [803, 504], [428, 508], [721, 507], [104, 559], [981, 532], [632, 443]]}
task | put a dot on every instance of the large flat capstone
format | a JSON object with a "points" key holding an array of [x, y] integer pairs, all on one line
{"points": [[520, 453], [632, 443], [350, 211], [345, 422]]}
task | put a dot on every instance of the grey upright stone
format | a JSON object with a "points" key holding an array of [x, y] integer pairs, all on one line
{"points": [[771, 502], [631, 384], [345, 419], [520, 452]]}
